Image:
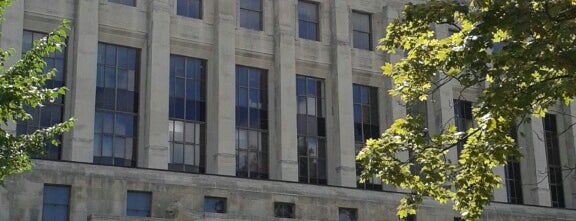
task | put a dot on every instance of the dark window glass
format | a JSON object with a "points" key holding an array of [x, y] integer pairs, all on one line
{"points": [[214, 204], [410, 217], [311, 129], [251, 123], [347, 214], [52, 111], [56, 203], [513, 178], [457, 219], [308, 20], [124, 2], [284, 210], [189, 8], [138, 203], [251, 14], [463, 118], [187, 128], [116, 105], [554, 164], [362, 30], [366, 125]]}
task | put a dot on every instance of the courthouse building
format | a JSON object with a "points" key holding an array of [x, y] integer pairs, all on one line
{"points": [[242, 110]]}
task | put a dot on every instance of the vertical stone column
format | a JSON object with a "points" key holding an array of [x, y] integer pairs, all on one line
{"points": [[11, 37], [284, 148], [527, 172], [12, 29], [501, 194], [83, 81], [541, 188], [221, 153], [391, 108], [156, 149], [341, 155]]}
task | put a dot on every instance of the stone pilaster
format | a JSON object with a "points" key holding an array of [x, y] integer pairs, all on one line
{"points": [[541, 188], [285, 146], [221, 153], [156, 148], [341, 163], [83, 81]]}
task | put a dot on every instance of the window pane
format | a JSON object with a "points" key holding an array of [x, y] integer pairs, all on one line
{"points": [[138, 204], [254, 5], [189, 8], [307, 11], [250, 19], [284, 210], [55, 203], [361, 22], [214, 204], [124, 2], [189, 155], [361, 40], [347, 214]]}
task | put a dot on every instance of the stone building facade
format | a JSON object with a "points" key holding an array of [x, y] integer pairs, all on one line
{"points": [[242, 110]]}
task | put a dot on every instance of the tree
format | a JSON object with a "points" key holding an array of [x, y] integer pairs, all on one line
{"points": [[533, 70], [22, 85]]}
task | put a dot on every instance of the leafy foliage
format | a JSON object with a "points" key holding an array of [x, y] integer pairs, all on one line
{"points": [[22, 85], [533, 70]]}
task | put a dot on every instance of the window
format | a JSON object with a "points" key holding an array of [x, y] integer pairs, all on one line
{"points": [[138, 203], [457, 219], [51, 112], [124, 2], [214, 204], [187, 114], [251, 14], [366, 125], [251, 123], [56, 203], [347, 214], [284, 210], [361, 30], [189, 8], [308, 20], [116, 105], [410, 217], [554, 165], [513, 178], [463, 118], [311, 129]]}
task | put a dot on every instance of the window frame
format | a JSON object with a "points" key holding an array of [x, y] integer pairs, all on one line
{"points": [[553, 153], [263, 132], [199, 167], [305, 133], [292, 207], [221, 199], [115, 112], [149, 194], [353, 211], [187, 2], [260, 16], [68, 188], [59, 103], [317, 22], [373, 107], [122, 3], [513, 177], [370, 32], [462, 117]]}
